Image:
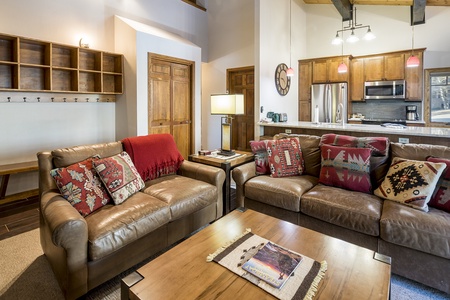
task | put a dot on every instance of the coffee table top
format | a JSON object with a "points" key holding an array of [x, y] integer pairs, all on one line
{"points": [[183, 273]]}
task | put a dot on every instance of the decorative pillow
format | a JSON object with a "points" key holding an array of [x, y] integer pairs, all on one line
{"points": [[119, 175], [410, 182], [379, 145], [285, 157], [346, 167], [81, 186], [441, 195], [153, 155], [259, 148]]}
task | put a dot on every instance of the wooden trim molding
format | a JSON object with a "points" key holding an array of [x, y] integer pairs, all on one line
{"points": [[194, 3]]}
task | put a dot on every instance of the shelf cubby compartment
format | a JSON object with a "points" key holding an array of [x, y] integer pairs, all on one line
{"points": [[90, 82], [112, 63], [34, 78], [9, 78], [34, 52], [112, 84], [64, 56], [90, 60], [8, 49], [64, 80]]}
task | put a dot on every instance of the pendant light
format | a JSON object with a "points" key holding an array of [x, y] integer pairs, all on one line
{"points": [[413, 61], [342, 68], [290, 71]]}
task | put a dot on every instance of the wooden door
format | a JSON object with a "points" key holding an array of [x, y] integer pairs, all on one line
{"points": [[304, 92], [394, 66], [332, 69], [319, 72], [374, 68], [170, 100], [357, 79], [242, 81]]}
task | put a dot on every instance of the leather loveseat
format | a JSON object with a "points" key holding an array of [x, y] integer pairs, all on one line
{"points": [[85, 252], [418, 242]]}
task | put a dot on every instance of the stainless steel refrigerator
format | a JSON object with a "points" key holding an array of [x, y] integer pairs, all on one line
{"points": [[329, 103]]}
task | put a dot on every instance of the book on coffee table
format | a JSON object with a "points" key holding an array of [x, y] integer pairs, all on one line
{"points": [[273, 264]]}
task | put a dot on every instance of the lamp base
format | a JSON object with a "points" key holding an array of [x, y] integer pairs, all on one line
{"points": [[226, 153]]}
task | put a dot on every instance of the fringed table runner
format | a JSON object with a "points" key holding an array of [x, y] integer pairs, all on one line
{"points": [[301, 285]]}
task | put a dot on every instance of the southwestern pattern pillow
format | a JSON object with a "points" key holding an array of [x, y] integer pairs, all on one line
{"points": [[285, 157], [346, 167], [119, 176], [410, 182], [378, 145], [81, 186], [441, 195], [259, 148]]}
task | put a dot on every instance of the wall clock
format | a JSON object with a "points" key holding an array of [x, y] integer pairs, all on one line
{"points": [[282, 81]]}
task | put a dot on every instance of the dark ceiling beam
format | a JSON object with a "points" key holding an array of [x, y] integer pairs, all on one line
{"points": [[345, 8], [418, 12]]}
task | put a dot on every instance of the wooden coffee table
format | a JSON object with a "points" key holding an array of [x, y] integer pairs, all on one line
{"points": [[183, 273]]}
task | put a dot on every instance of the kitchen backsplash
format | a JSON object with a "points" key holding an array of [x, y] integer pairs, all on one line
{"points": [[385, 109]]}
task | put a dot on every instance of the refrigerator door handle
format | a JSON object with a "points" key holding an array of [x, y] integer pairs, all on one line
{"points": [[327, 102]]}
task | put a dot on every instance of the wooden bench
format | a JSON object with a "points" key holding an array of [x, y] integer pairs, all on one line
{"points": [[6, 171]]}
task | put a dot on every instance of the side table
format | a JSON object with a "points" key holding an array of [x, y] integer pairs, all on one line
{"points": [[227, 165]]}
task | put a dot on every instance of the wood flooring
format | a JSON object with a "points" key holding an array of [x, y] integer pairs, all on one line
{"points": [[20, 217]]}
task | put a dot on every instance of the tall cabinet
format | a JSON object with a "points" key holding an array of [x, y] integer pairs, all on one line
{"points": [[29, 65]]}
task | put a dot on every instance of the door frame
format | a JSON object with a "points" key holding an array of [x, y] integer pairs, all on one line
{"points": [[191, 65]]}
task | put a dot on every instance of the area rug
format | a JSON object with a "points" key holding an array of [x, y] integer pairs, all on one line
{"points": [[302, 284], [26, 274]]}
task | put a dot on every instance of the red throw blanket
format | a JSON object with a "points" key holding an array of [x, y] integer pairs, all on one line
{"points": [[153, 155]]}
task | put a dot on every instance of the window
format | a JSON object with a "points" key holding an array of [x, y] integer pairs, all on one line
{"points": [[438, 98]]}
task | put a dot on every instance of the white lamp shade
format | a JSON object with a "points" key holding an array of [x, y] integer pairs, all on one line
{"points": [[227, 104]]}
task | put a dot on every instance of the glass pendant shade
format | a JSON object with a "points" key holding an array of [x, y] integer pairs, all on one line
{"points": [[369, 35], [342, 68], [352, 38], [412, 62], [290, 72], [337, 40]]}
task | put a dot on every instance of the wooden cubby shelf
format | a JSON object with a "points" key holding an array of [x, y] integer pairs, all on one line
{"points": [[30, 65]]}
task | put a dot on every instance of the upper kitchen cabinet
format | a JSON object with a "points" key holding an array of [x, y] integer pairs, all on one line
{"points": [[357, 79], [325, 69], [384, 67], [304, 93], [414, 78]]}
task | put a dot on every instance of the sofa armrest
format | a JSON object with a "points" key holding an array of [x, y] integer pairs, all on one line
{"points": [[209, 174], [241, 175]]}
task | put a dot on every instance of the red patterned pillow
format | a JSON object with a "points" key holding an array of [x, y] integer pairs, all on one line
{"points": [[119, 175], [259, 148], [441, 195], [346, 167], [81, 186], [410, 182], [379, 145], [285, 157]]}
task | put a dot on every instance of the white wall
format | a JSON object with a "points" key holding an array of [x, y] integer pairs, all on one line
{"points": [[27, 128], [231, 45]]}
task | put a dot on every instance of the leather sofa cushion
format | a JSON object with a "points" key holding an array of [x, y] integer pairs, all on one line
{"points": [[349, 209], [280, 192], [184, 195], [115, 226], [68, 156], [424, 231]]}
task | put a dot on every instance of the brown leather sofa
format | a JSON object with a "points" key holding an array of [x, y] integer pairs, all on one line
{"points": [[418, 242], [87, 251]]}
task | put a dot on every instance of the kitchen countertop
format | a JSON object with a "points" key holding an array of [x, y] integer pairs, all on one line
{"points": [[407, 130]]}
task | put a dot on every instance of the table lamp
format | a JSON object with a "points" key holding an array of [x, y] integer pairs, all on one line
{"points": [[229, 105]]}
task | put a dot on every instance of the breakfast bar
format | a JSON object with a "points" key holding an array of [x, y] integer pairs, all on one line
{"points": [[403, 134]]}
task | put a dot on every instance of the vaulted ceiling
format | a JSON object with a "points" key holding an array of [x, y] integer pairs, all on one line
{"points": [[345, 7]]}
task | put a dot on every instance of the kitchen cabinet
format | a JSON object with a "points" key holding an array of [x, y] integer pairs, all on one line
{"points": [[28, 65], [325, 70], [414, 78], [384, 67], [304, 93], [357, 79]]}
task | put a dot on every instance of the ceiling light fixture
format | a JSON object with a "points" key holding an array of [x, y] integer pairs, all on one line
{"points": [[352, 26], [290, 71], [342, 68], [413, 61]]}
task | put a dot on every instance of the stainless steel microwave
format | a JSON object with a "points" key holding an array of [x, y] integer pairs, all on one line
{"points": [[385, 89]]}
